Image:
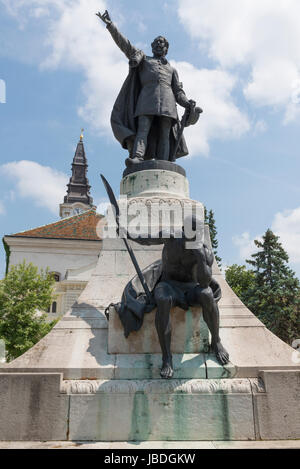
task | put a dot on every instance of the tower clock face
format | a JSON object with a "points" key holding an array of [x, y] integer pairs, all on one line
{"points": [[77, 210]]}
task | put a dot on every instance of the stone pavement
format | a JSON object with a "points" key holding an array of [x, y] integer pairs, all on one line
{"points": [[146, 445]]}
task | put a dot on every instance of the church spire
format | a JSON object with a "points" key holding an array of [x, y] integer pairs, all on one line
{"points": [[78, 187], [78, 192]]}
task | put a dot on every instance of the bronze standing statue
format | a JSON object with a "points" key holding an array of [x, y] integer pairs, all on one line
{"points": [[144, 118]]}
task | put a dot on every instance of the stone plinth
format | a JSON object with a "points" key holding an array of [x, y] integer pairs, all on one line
{"points": [[189, 334], [155, 178], [151, 183]]}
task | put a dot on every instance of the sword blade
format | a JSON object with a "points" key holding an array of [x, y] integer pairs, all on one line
{"points": [[115, 205], [111, 197]]}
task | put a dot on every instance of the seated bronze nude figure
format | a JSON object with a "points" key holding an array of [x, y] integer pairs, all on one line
{"points": [[183, 277]]}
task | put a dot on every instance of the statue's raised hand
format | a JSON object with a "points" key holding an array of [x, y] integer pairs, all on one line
{"points": [[105, 17]]}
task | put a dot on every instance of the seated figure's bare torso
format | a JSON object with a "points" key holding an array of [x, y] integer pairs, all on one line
{"points": [[182, 264]]}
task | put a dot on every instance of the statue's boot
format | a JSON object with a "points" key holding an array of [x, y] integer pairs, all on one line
{"points": [[133, 161]]}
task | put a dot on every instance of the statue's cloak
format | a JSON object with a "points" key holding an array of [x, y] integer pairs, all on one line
{"points": [[134, 304], [124, 124]]}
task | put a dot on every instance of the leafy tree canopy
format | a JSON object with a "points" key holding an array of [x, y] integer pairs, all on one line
{"points": [[270, 290], [23, 292]]}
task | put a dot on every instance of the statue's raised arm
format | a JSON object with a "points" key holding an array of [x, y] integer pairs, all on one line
{"points": [[122, 42]]}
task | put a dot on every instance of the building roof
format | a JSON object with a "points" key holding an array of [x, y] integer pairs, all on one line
{"points": [[80, 227]]}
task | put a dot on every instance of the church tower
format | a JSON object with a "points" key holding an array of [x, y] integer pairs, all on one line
{"points": [[78, 198]]}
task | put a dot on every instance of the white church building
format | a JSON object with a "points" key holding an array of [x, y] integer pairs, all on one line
{"points": [[69, 247]]}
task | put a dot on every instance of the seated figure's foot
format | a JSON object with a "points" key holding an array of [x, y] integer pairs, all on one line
{"points": [[221, 353], [133, 161], [167, 371]]}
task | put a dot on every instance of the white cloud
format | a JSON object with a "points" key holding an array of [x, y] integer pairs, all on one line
{"points": [[287, 225], [102, 205], [212, 89], [245, 245], [264, 35], [79, 40], [45, 186]]}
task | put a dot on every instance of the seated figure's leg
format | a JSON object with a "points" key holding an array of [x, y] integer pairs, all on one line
{"points": [[204, 297], [163, 148], [140, 144], [164, 300]]}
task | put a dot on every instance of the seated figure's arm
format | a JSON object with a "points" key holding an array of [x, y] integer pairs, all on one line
{"points": [[205, 259]]}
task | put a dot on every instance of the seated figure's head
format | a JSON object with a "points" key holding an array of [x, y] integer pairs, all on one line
{"points": [[160, 46]]}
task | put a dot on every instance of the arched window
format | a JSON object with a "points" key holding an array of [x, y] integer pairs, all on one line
{"points": [[54, 307]]}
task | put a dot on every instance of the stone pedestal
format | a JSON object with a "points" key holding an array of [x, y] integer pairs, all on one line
{"points": [[83, 381], [162, 179]]}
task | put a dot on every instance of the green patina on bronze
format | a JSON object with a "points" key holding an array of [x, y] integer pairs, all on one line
{"points": [[225, 430], [181, 415], [140, 418], [103, 414], [145, 365]]}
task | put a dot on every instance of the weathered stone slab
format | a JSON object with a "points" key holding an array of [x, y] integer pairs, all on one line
{"points": [[32, 407], [252, 349], [214, 370], [189, 334], [77, 353], [161, 410], [277, 405]]}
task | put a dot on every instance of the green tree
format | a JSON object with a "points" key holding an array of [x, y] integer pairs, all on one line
{"points": [[23, 292], [209, 219], [241, 280], [274, 297]]}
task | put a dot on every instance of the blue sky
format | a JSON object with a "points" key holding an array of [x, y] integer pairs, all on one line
{"points": [[239, 60]]}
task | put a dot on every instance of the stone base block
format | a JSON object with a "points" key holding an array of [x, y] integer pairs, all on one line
{"points": [[189, 334], [161, 410], [277, 404], [32, 407]]}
